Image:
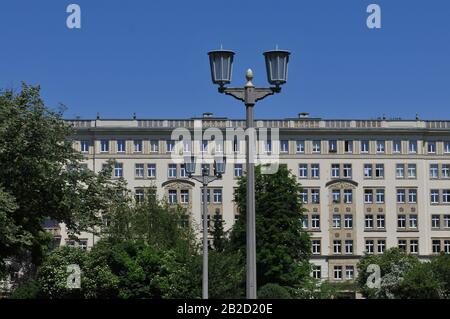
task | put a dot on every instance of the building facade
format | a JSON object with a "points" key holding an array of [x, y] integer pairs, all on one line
{"points": [[368, 185]]}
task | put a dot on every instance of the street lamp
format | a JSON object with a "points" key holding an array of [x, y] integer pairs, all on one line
{"points": [[221, 63], [205, 179]]}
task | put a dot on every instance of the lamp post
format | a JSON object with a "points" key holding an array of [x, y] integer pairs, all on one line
{"points": [[205, 179], [221, 63]]}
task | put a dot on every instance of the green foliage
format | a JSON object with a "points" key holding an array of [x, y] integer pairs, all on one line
{"points": [[419, 283], [30, 290], [226, 275], [440, 267], [273, 291], [218, 233], [283, 247], [312, 288]]}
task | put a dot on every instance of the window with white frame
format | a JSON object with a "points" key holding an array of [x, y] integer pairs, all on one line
{"points": [[368, 171], [434, 171], [151, 170], [187, 146], [379, 170], [139, 195], [434, 196], [315, 221], [348, 221], [447, 246], [369, 246], [381, 246], [348, 146], [335, 171], [236, 145], [238, 170], [315, 171], [303, 170], [118, 170], [336, 195], [445, 171], [435, 221], [414, 246], [267, 146], [446, 147], [412, 146], [348, 196], [348, 246], [284, 146], [104, 146], [315, 196], [183, 170], [412, 196], [337, 272], [315, 246], [349, 272], [347, 171], [300, 146], [170, 146], [305, 222], [139, 170], [154, 146], [336, 221], [413, 224], [317, 272], [121, 146], [316, 146], [184, 196], [368, 220], [337, 247], [446, 196], [172, 196], [436, 246], [332, 146], [365, 148], [400, 171], [446, 221], [401, 194], [303, 196], [401, 221], [380, 196], [172, 171], [396, 146], [431, 147], [368, 196], [84, 145], [380, 146], [412, 170], [137, 146], [217, 196], [381, 221]]}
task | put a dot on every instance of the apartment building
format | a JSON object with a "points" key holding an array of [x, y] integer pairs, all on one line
{"points": [[368, 185]]}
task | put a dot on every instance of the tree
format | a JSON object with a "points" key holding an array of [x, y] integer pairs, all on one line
{"points": [[419, 283], [42, 175], [440, 266], [226, 275], [218, 233], [282, 246], [273, 291]]}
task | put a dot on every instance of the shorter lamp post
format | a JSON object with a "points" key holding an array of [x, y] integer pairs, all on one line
{"points": [[205, 178]]}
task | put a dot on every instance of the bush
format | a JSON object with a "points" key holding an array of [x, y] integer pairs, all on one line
{"points": [[30, 290], [273, 291]]}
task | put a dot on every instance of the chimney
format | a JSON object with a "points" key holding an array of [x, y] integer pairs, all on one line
{"points": [[207, 115], [303, 115]]}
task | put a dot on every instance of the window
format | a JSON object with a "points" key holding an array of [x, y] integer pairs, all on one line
{"points": [[348, 146], [348, 196], [303, 170], [316, 246], [368, 196], [121, 146], [369, 246], [367, 170], [435, 221], [349, 272], [336, 246], [369, 221], [336, 194], [118, 170], [305, 222], [137, 146], [434, 196], [402, 244], [82, 244], [284, 146], [217, 196], [446, 196], [315, 196], [445, 170], [414, 246], [335, 171], [184, 196], [380, 146], [365, 147], [316, 146], [139, 170], [205, 146], [315, 221], [139, 195], [303, 196], [412, 146], [84, 146], [151, 170], [431, 147], [332, 146], [446, 221], [379, 170], [236, 145], [401, 221], [400, 195], [436, 246], [267, 146], [337, 272], [170, 146], [447, 246], [104, 146], [434, 170], [412, 196], [154, 146], [315, 171], [187, 146], [396, 146], [347, 171], [447, 147], [400, 171], [172, 196], [381, 221], [336, 221], [381, 246], [238, 171], [172, 172], [348, 221], [317, 272], [300, 146], [380, 196], [183, 170], [348, 246], [413, 221], [412, 168]]}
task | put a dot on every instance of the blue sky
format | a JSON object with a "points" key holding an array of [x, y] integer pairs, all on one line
{"points": [[149, 57]]}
